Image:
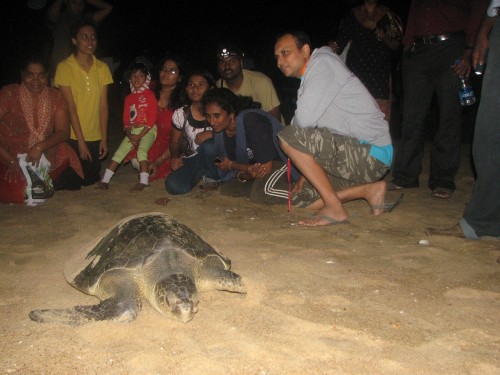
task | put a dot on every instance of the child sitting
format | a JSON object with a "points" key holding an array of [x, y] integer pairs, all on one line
{"points": [[139, 120]]}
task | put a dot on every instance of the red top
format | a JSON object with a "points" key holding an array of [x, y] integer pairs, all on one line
{"points": [[435, 17], [140, 109]]}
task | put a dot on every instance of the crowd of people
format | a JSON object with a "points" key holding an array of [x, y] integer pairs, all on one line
{"points": [[185, 127]]}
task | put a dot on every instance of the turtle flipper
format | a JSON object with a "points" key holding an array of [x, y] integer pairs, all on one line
{"points": [[223, 280], [113, 308]]}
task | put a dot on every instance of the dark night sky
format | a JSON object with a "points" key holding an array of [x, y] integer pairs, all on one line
{"points": [[182, 26]]}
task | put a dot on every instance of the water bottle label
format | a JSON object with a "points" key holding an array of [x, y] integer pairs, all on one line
{"points": [[467, 96]]}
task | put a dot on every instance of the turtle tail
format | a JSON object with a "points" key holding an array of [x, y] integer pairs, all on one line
{"points": [[109, 309]]}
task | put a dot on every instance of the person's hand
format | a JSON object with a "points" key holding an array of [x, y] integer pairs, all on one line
{"points": [[480, 51], [380, 34], [134, 139], [257, 170], [202, 137], [299, 184], [175, 163], [224, 164], [84, 152], [103, 149], [34, 154], [153, 168], [334, 46], [463, 66]]}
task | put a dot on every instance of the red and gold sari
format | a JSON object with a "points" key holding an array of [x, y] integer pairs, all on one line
{"points": [[25, 124]]}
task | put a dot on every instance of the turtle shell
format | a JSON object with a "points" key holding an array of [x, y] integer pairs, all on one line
{"points": [[132, 243]]}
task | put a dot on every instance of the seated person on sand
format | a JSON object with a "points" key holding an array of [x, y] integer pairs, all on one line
{"points": [[251, 162], [169, 92], [34, 120], [139, 120], [191, 145], [338, 138]]}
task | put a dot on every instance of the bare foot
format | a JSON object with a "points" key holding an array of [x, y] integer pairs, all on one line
{"points": [[102, 185], [376, 197], [325, 217], [138, 187]]}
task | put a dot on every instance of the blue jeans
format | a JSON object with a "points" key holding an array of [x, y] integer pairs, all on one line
{"points": [[184, 179]]}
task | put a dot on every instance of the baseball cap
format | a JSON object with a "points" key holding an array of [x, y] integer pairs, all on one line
{"points": [[226, 50]]}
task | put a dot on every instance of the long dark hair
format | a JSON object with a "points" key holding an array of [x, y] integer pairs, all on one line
{"points": [[227, 100], [176, 98]]}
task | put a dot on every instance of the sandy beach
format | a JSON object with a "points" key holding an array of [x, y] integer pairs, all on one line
{"points": [[362, 298]]}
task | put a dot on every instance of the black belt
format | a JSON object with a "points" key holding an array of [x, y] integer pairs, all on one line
{"points": [[433, 39]]}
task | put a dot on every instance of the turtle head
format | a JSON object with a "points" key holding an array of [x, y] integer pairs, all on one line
{"points": [[183, 309], [176, 294]]}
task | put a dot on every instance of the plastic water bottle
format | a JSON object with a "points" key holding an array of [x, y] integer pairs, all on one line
{"points": [[465, 93]]}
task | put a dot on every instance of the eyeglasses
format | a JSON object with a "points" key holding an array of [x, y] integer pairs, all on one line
{"points": [[31, 75], [169, 70]]}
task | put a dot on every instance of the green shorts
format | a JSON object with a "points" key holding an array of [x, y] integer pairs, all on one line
{"points": [[345, 160]]}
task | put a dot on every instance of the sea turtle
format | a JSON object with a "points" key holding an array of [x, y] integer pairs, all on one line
{"points": [[149, 257]]}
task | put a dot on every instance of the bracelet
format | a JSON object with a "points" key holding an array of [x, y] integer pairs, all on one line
{"points": [[240, 179], [231, 162]]}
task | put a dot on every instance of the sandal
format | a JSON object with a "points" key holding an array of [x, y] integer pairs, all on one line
{"points": [[442, 193], [391, 186], [387, 207]]}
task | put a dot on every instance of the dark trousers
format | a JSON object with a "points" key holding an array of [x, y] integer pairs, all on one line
{"points": [[91, 169], [425, 71], [483, 210], [184, 179]]}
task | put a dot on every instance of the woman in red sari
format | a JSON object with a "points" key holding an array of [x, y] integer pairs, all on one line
{"points": [[34, 120]]}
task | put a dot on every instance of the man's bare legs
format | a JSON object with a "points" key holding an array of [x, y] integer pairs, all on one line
{"points": [[332, 206], [373, 193], [330, 203]]}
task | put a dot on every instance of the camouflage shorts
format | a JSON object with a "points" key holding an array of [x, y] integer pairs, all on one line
{"points": [[346, 161]]}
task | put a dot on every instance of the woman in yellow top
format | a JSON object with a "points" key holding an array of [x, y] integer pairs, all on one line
{"points": [[83, 80]]}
